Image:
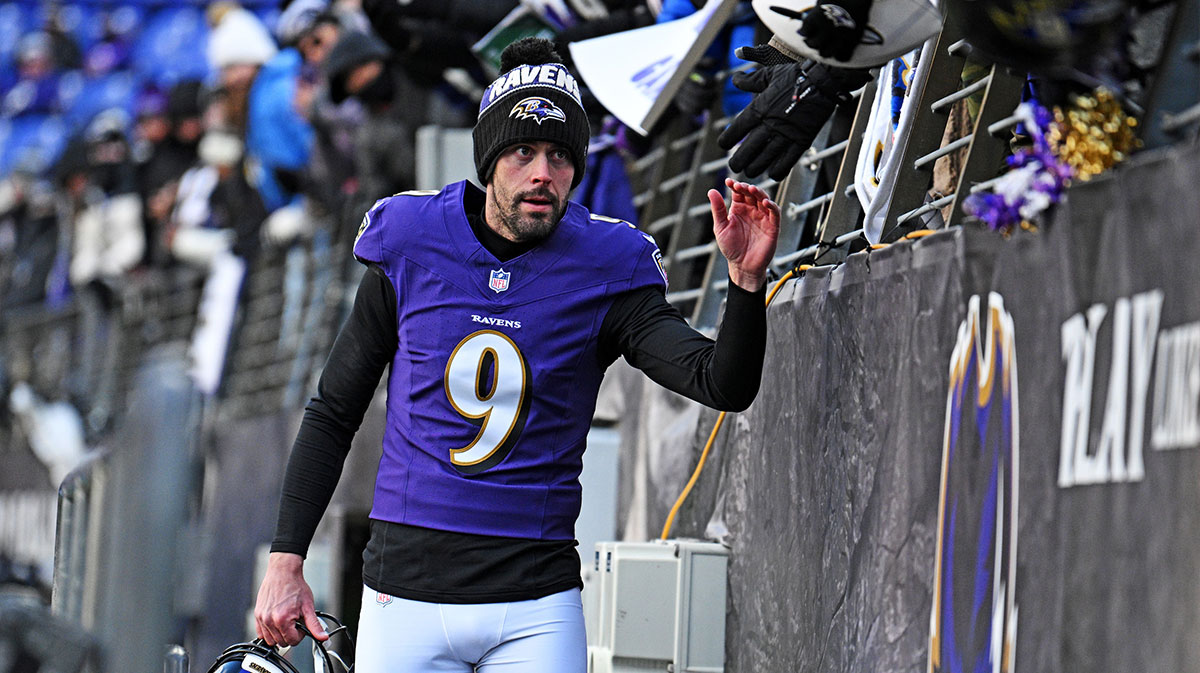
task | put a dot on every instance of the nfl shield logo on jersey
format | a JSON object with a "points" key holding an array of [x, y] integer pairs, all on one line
{"points": [[499, 280]]}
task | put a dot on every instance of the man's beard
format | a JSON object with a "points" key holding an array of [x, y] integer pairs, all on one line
{"points": [[529, 227]]}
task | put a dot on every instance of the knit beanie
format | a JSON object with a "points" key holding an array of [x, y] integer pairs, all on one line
{"points": [[240, 39], [536, 98]]}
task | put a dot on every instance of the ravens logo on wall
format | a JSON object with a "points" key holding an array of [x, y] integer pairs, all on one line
{"points": [[973, 620]]}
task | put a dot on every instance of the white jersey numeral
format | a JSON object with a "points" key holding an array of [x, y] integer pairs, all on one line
{"points": [[487, 382]]}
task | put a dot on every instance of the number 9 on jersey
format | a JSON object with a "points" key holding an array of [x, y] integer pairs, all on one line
{"points": [[487, 383]]}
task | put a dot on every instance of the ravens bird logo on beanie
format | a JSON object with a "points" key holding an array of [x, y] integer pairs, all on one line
{"points": [[536, 99]]}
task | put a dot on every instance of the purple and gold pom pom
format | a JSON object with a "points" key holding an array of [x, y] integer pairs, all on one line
{"points": [[1093, 133], [1090, 136]]}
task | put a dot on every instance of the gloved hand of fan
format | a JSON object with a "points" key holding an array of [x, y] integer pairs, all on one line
{"points": [[698, 91], [793, 102], [835, 27]]}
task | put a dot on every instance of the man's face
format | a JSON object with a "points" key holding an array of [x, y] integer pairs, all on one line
{"points": [[153, 127], [527, 194], [315, 46]]}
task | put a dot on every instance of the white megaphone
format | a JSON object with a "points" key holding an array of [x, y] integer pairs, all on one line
{"points": [[894, 28]]}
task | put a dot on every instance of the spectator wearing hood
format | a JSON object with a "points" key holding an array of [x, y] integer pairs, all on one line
{"points": [[361, 67], [202, 225], [177, 152], [108, 237], [215, 210]]}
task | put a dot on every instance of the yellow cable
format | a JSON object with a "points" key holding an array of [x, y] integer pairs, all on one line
{"points": [[712, 436]]}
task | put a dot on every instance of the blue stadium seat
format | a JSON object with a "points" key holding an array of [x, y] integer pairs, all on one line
{"points": [[88, 96], [153, 4], [128, 18], [171, 46], [85, 22], [26, 136], [8, 77], [15, 20]]}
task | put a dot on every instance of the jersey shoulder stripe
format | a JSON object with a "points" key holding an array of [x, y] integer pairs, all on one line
{"points": [[382, 226], [611, 220], [639, 248]]}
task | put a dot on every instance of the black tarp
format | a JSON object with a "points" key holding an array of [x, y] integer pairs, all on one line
{"points": [[828, 488]]}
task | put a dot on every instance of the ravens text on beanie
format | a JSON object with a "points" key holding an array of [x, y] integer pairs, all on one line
{"points": [[536, 98]]}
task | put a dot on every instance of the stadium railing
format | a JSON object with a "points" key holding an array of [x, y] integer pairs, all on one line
{"points": [[289, 310], [822, 215]]}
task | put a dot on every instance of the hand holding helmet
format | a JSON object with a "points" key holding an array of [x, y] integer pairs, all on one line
{"points": [[793, 102], [283, 600], [257, 656], [820, 29], [835, 27]]}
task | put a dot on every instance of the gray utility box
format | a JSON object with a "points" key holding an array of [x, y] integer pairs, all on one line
{"points": [[656, 606]]}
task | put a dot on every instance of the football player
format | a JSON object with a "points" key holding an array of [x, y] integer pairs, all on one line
{"points": [[498, 312]]}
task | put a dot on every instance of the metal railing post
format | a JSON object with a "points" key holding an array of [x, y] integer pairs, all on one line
{"points": [[928, 123], [175, 660], [985, 154], [844, 207]]}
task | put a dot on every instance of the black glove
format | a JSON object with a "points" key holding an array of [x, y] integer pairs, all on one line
{"points": [[835, 27], [792, 103], [699, 90], [763, 54]]}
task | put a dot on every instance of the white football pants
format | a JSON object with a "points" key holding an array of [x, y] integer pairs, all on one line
{"points": [[396, 635]]}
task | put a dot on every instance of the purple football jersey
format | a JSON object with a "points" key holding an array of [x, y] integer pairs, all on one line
{"points": [[493, 386]]}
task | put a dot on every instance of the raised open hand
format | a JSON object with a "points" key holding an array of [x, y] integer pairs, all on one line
{"points": [[746, 232]]}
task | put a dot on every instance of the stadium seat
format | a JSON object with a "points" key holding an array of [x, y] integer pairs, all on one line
{"points": [[24, 137], [128, 18], [15, 21], [171, 46], [84, 22], [89, 96]]}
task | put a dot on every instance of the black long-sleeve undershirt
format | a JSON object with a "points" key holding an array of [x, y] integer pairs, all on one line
{"points": [[640, 325]]}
